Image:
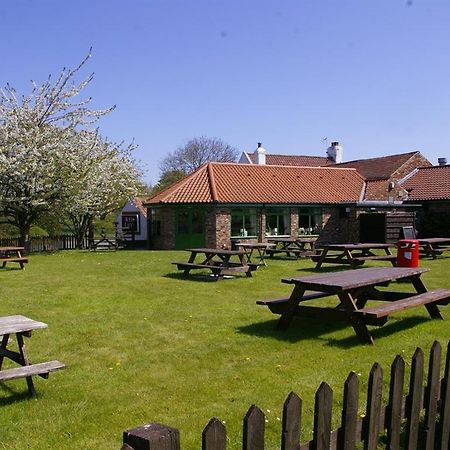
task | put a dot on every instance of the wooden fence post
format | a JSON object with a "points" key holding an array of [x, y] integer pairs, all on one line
{"points": [[254, 426], [373, 411], [322, 417], [153, 436], [432, 395], [290, 432], [214, 436], [414, 401], [349, 421], [394, 409]]}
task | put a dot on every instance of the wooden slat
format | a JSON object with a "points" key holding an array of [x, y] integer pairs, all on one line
{"points": [[414, 401], [394, 409], [254, 426], [400, 305], [214, 436], [19, 324], [322, 417], [444, 424], [432, 395], [291, 425], [373, 410], [348, 434], [33, 369]]}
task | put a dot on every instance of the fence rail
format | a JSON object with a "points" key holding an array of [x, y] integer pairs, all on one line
{"points": [[419, 420], [45, 243]]}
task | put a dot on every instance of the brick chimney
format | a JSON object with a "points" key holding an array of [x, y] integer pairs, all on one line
{"points": [[260, 153], [335, 152]]}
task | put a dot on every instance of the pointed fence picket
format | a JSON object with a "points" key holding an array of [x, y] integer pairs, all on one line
{"points": [[398, 424]]}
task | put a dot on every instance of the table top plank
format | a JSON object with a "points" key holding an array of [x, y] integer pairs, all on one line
{"points": [[215, 251], [434, 241], [346, 280], [11, 249], [355, 246], [19, 324]]}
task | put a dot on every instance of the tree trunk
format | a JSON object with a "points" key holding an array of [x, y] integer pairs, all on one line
{"points": [[25, 240]]}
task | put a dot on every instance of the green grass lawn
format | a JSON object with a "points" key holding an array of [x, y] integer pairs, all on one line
{"points": [[142, 344]]}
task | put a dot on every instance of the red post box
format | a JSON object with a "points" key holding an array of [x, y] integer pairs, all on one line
{"points": [[408, 253]]}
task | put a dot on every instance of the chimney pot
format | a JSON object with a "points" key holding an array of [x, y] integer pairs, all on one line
{"points": [[442, 161]]}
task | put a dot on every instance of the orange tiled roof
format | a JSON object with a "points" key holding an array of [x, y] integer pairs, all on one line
{"points": [[429, 183], [248, 183], [140, 206], [378, 168], [373, 188], [292, 160]]}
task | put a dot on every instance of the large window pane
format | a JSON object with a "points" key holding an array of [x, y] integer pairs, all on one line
{"points": [[243, 222], [156, 221], [278, 222], [309, 221], [183, 222]]}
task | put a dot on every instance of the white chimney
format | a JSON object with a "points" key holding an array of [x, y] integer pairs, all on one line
{"points": [[260, 153], [334, 152]]}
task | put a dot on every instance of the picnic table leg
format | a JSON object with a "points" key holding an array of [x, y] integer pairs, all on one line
{"points": [[288, 314], [358, 325], [25, 362], [3, 347], [321, 258], [432, 309]]}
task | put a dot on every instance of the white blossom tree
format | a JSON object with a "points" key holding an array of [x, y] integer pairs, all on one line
{"points": [[105, 176], [39, 134]]}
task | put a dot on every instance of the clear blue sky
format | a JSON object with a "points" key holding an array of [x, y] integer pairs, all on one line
{"points": [[371, 74]]}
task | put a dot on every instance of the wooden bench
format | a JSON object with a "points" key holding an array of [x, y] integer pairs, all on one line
{"points": [[21, 260], [217, 270], [41, 369], [436, 297], [278, 305], [391, 258]]}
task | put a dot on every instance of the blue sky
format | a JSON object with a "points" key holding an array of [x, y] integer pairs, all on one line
{"points": [[373, 75]]}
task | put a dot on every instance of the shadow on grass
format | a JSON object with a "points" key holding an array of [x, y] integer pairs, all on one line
{"points": [[304, 329], [14, 396], [200, 277], [337, 268]]}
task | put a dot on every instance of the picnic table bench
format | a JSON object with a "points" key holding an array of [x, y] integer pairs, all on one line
{"points": [[22, 326], [433, 246], [353, 290], [218, 261], [12, 254], [352, 254], [301, 246]]}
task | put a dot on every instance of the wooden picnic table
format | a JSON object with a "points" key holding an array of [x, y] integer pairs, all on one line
{"points": [[12, 254], [22, 326], [218, 261], [353, 289], [260, 248], [433, 246], [353, 254], [301, 246]]}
